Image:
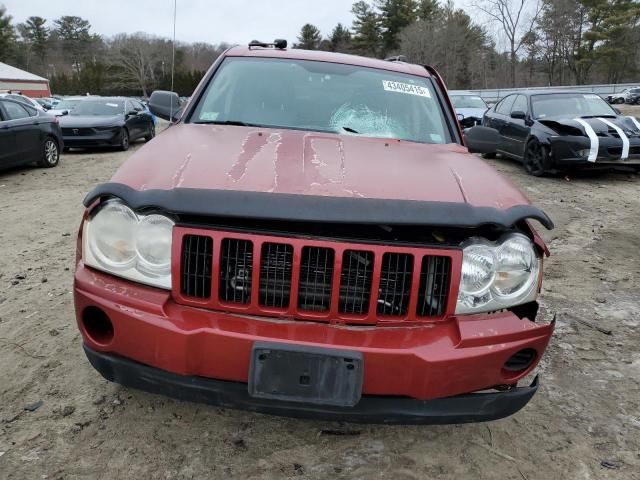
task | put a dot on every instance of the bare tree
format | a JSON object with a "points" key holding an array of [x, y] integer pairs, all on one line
{"points": [[516, 19], [135, 58]]}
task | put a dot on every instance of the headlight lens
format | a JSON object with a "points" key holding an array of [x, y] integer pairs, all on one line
{"points": [[497, 275], [153, 244], [113, 236], [137, 247]]}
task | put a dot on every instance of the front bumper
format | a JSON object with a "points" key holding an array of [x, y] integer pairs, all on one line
{"points": [[565, 150], [108, 138], [473, 407], [191, 353]]}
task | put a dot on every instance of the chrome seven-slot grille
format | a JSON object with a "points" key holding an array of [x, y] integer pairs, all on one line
{"points": [[311, 279]]}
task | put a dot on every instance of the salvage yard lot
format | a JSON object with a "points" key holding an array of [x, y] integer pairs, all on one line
{"points": [[583, 423]]}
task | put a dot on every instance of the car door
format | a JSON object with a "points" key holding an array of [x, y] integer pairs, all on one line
{"points": [[135, 123], [499, 119], [25, 123], [7, 140], [516, 130]]}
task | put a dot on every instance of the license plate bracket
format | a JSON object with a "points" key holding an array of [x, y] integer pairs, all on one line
{"points": [[293, 373]]}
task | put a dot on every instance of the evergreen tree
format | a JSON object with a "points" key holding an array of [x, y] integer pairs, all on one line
{"points": [[75, 37], [394, 16], [36, 33], [7, 36], [340, 39], [428, 10], [366, 29], [309, 38]]}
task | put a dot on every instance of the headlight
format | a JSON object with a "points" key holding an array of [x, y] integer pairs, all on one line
{"points": [[497, 275], [137, 247]]}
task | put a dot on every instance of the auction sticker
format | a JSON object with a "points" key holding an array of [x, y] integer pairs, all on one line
{"points": [[407, 88]]}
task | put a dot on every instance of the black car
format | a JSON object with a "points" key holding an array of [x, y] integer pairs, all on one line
{"points": [[557, 130], [28, 136], [106, 122]]}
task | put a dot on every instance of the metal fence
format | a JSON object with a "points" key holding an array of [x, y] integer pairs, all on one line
{"points": [[493, 95]]}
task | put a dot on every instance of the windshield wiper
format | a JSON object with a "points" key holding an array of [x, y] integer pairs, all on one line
{"points": [[351, 130], [599, 116], [235, 123]]}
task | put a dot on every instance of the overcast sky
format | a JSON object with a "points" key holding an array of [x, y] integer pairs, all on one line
{"points": [[212, 21]]}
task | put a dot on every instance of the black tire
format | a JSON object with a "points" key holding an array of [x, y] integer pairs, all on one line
{"points": [[536, 158], [152, 133], [489, 155], [124, 140], [619, 101], [50, 155]]}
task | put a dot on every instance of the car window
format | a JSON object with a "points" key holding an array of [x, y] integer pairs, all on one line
{"points": [[520, 104], [98, 107], [504, 107], [15, 111], [570, 104], [468, 101], [323, 96]]}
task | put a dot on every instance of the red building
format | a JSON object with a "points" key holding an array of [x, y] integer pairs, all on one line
{"points": [[14, 79]]}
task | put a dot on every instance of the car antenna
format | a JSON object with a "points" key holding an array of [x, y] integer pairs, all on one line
{"points": [[173, 54], [278, 43]]}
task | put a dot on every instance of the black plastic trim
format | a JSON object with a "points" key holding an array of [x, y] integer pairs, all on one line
{"points": [[471, 407], [311, 208]]}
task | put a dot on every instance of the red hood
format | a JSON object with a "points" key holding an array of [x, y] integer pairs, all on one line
{"points": [[309, 163]]}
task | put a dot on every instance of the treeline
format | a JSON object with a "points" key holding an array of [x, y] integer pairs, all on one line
{"points": [[78, 61], [495, 43]]}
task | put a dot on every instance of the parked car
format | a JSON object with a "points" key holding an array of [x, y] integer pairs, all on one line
{"points": [[24, 100], [551, 130], [28, 136], [311, 238], [106, 122], [64, 106], [470, 107], [633, 97], [621, 97]]}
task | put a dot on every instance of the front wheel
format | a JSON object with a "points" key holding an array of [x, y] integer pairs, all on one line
{"points": [[151, 134], [535, 158], [50, 154], [124, 140]]}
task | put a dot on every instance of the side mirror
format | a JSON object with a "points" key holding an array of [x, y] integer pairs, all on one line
{"points": [[165, 105], [65, 112], [518, 114], [482, 139]]}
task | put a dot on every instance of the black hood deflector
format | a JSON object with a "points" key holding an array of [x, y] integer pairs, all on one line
{"points": [[321, 209]]}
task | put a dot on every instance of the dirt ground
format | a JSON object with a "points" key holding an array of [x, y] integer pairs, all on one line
{"points": [[583, 424]]}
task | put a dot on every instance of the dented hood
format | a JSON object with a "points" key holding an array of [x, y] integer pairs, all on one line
{"points": [[240, 172], [578, 126], [321, 164]]}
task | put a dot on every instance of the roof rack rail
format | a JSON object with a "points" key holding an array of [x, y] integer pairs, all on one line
{"points": [[397, 58], [278, 43]]}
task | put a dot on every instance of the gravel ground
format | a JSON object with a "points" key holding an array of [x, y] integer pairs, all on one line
{"points": [[583, 424]]}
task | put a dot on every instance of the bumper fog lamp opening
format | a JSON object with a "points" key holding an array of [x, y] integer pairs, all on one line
{"points": [[520, 361], [97, 325]]}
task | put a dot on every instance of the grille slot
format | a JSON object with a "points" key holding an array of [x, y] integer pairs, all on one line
{"points": [[395, 284], [355, 281], [276, 265], [316, 272], [197, 254], [236, 268], [434, 286]]}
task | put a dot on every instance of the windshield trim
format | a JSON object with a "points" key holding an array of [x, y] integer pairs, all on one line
{"points": [[449, 128]]}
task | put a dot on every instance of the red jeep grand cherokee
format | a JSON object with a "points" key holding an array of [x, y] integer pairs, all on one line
{"points": [[312, 238]]}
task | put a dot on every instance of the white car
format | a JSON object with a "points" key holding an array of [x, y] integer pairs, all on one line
{"points": [[22, 99], [65, 105]]}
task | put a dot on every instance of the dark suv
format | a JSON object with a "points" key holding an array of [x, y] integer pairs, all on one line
{"points": [[312, 238]]}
